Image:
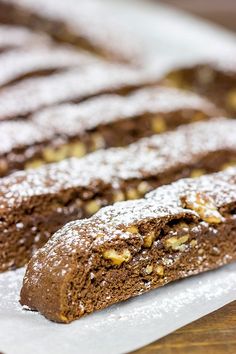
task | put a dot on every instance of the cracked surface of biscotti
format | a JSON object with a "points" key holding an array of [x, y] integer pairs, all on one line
{"points": [[36, 203], [127, 249], [69, 130], [73, 85], [79, 22]]}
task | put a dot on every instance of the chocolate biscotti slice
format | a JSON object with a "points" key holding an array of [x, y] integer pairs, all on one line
{"points": [[36, 203], [109, 120], [16, 37], [86, 24], [127, 249], [74, 85], [213, 78], [38, 61]]}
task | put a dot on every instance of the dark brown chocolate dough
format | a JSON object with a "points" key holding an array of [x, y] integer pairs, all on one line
{"points": [[105, 121], [127, 249], [36, 203]]}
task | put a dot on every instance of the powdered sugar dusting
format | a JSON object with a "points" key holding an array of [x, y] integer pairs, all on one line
{"points": [[111, 108], [17, 37], [17, 63], [113, 166], [73, 85], [80, 118]]}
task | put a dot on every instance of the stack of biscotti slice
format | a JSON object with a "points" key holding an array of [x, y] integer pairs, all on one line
{"points": [[105, 121], [35, 203], [127, 249], [16, 37], [72, 85], [85, 24], [210, 77]]}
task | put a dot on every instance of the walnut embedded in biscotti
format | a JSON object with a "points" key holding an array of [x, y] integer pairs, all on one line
{"points": [[117, 258], [132, 229], [77, 149], [231, 99], [132, 193], [176, 243], [149, 269], [197, 172], [204, 206], [92, 206], [159, 270], [159, 124], [35, 163], [118, 196], [55, 154], [148, 239]]}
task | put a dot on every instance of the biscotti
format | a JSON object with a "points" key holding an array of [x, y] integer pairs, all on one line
{"points": [[213, 78], [35, 203], [74, 85], [86, 24], [16, 37], [127, 249], [105, 121], [38, 61]]}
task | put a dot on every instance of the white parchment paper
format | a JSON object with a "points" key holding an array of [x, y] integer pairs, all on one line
{"points": [[144, 319], [118, 329]]}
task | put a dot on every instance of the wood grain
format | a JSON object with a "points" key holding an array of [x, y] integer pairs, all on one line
{"points": [[212, 334]]}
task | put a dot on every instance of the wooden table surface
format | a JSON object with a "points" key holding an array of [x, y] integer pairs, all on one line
{"points": [[212, 334]]}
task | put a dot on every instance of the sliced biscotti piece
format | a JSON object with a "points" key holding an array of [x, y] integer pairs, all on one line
{"points": [[105, 121], [129, 248], [213, 78], [18, 64], [74, 85], [35, 203], [13, 37], [86, 24]]}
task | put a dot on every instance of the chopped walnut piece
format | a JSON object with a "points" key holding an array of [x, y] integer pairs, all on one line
{"points": [[149, 269], [148, 239], [197, 172], [117, 258], [92, 206], [132, 193], [77, 149], [198, 116], [176, 244], [143, 188], [132, 229], [55, 154], [160, 270], [159, 124], [118, 196], [231, 99], [193, 243], [204, 206], [34, 164]]}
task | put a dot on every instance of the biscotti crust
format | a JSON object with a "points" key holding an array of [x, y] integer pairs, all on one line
{"points": [[127, 249], [101, 122], [35, 203]]}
